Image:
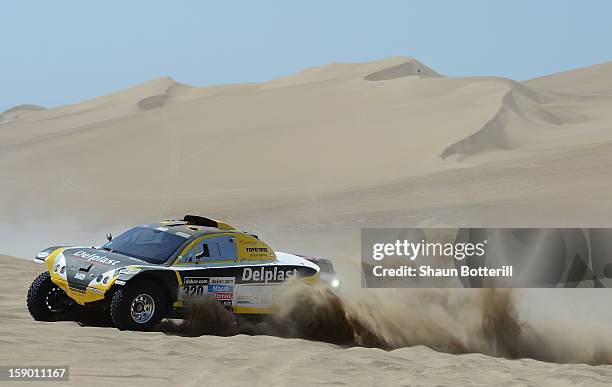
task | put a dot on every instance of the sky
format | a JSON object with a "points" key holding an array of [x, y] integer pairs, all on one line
{"points": [[60, 52]]}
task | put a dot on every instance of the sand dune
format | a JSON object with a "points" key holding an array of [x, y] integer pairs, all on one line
{"points": [[331, 131], [18, 111], [522, 111], [407, 68], [306, 161], [391, 68], [593, 80]]}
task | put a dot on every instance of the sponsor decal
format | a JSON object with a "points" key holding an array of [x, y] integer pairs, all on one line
{"points": [[223, 296], [162, 229], [184, 235], [243, 299], [80, 276], [222, 280], [220, 288], [226, 303], [256, 249], [128, 271], [92, 257], [75, 290], [267, 274], [247, 242], [256, 296], [196, 281]]}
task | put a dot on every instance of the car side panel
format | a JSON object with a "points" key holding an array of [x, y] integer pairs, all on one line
{"points": [[252, 289]]}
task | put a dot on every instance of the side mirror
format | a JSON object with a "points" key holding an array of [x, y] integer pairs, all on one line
{"points": [[109, 236]]}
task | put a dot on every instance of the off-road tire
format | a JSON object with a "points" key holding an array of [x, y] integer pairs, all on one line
{"points": [[37, 299], [122, 302]]}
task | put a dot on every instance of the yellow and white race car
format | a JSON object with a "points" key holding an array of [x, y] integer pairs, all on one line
{"points": [[157, 270]]}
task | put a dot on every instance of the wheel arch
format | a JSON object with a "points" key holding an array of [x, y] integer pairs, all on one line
{"points": [[165, 279]]}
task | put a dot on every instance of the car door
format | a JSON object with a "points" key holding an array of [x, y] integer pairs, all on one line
{"points": [[203, 273]]}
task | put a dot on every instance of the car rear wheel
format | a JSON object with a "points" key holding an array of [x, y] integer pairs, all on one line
{"points": [[138, 307], [46, 301]]}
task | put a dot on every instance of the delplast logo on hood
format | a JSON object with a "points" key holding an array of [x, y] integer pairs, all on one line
{"points": [[95, 258]]}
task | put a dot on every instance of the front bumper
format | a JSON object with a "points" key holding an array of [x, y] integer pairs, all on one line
{"points": [[80, 294]]}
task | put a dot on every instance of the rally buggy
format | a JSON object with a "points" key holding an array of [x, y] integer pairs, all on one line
{"points": [[157, 270]]}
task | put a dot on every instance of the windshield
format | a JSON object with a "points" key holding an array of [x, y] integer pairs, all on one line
{"points": [[150, 245]]}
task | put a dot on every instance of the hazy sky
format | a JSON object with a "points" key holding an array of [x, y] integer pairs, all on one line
{"points": [[59, 52]]}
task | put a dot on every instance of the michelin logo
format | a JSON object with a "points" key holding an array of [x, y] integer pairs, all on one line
{"points": [[267, 274], [95, 258]]}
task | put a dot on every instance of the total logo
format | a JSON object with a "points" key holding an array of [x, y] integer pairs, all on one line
{"points": [[95, 258], [267, 274]]}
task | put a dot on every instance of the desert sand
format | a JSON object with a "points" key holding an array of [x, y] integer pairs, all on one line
{"points": [[306, 161], [107, 357]]}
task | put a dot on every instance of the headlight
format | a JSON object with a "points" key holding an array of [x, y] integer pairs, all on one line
{"points": [[335, 283]]}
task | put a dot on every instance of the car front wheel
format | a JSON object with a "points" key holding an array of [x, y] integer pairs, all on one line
{"points": [[46, 301], [138, 307]]}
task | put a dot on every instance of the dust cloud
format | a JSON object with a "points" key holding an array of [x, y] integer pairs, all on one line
{"points": [[454, 321]]}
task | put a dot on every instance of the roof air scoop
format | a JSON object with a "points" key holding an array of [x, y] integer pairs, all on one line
{"points": [[206, 222]]}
